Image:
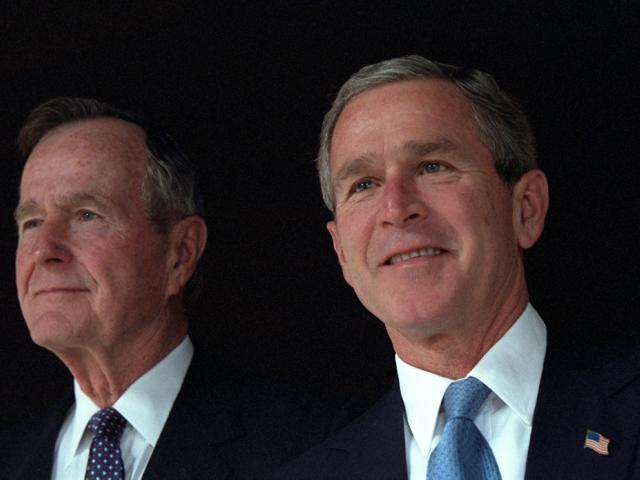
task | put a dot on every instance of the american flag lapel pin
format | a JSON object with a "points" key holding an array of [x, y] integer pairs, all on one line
{"points": [[596, 442]]}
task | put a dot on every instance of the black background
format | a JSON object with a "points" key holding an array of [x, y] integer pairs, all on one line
{"points": [[243, 87]]}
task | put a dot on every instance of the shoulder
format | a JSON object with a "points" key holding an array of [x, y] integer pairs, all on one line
{"points": [[609, 364], [27, 446], [371, 446], [12, 440], [253, 424], [263, 402], [585, 386]]}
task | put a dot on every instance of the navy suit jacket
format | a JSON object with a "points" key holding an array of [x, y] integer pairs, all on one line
{"points": [[217, 429], [577, 392]]}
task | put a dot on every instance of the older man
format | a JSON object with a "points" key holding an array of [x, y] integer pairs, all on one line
{"points": [[430, 172], [110, 233]]}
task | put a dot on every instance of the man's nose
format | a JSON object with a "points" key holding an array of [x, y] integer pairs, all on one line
{"points": [[402, 203], [51, 244]]}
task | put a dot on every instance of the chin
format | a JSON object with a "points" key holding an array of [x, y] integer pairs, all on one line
{"points": [[51, 330], [418, 319]]}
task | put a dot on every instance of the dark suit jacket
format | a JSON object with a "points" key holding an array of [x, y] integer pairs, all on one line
{"points": [[578, 391], [218, 428]]}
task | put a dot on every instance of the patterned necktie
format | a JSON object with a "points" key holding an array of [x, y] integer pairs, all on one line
{"points": [[105, 457], [463, 453]]}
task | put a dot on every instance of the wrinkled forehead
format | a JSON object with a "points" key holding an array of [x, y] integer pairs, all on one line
{"points": [[425, 108], [104, 153], [113, 142]]}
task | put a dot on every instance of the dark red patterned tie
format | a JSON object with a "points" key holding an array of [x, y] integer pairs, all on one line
{"points": [[105, 457]]}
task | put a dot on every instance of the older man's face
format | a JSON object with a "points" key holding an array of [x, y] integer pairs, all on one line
{"points": [[424, 228], [90, 268]]}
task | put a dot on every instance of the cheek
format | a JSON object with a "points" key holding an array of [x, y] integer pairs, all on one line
{"points": [[470, 219], [23, 267], [105, 265], [355, 238], [134, 267], [487, 226]]}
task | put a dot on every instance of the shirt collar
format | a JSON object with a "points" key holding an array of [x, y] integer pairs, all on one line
{"points": [[422, 394], [512, 369], [147, 402]]}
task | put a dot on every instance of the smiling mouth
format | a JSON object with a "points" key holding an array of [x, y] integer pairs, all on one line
{"points": [[422, 252]]}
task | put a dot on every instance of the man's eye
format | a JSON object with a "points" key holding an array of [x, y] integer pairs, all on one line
{"points": [[87, 216], [362, 186], [29, 224], [433, 167]]}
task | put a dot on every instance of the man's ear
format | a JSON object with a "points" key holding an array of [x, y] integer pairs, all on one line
{"points": [[531, 202], [337, 246], [187, 240]]}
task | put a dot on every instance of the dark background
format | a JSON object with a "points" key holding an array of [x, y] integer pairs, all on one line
{"points": [[243, 87]]}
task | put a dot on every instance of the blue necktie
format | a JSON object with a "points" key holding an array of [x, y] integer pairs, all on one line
{"points": [[105, 457], [463, 453]]}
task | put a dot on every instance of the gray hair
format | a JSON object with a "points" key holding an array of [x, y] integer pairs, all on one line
{"points": [[169, 186], [502, 124]]}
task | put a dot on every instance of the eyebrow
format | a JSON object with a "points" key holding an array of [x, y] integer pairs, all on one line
{"points": [[421, 149], [30, 207], [24, 210], [354, 167]]}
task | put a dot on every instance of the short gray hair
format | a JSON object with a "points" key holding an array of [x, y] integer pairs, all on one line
{"points": [[169, 186], [502, 124]]}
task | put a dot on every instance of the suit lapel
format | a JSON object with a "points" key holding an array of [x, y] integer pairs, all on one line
{"points": [[373, 446], [203, 419], [571, 400]]}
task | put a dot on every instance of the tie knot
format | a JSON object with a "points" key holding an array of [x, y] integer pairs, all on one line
{"points": [[107, 423], [464, 398]]}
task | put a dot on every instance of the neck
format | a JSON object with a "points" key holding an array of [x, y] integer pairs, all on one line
{"points": [[453, 354], [104, 374]]}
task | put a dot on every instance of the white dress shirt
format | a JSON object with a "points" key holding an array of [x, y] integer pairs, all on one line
{"points": [[145, 405], [511, 369]]}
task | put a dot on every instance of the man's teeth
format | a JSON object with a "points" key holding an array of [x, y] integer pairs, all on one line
{"points": [[423, 252]]}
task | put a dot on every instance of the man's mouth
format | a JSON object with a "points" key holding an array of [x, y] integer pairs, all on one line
{"points": [[422, 252], [45, 291]]}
